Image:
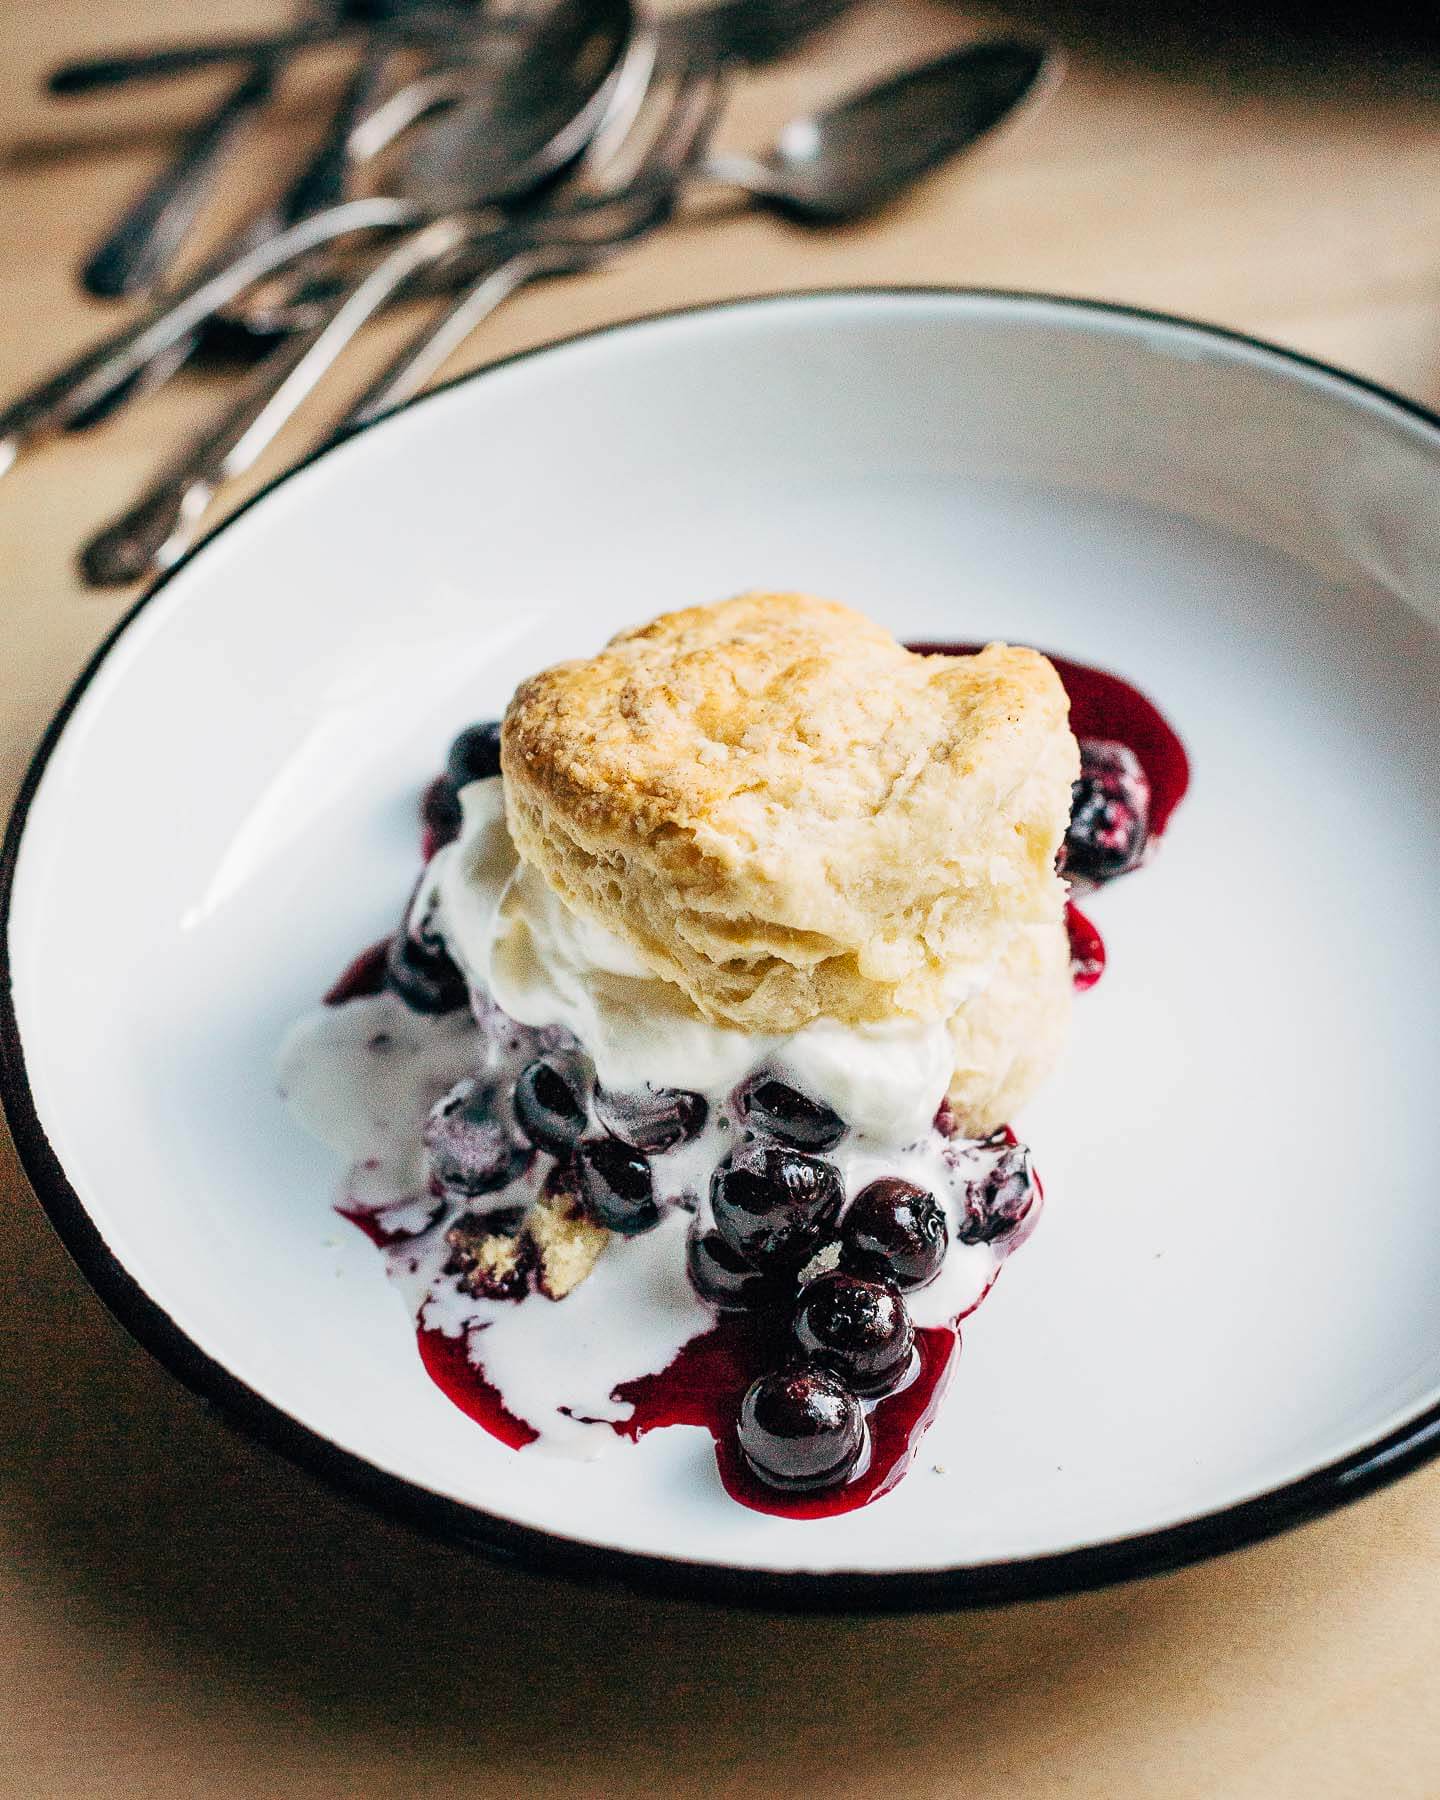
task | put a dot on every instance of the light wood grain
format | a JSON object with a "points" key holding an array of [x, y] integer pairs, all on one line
{"points": [[182, 1616]]}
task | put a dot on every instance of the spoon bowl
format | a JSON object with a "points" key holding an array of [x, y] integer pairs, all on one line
{"points": [[861, 154], [517, 130]]}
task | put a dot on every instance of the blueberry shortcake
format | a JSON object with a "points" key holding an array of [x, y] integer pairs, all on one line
{"points": [[739, 945]]}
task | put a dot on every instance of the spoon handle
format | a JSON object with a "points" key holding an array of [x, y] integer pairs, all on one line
{"points": [[89, 74], [322, 181], [163, 521], [83, 383], [151, 533], [733, 169], [138, 250]]}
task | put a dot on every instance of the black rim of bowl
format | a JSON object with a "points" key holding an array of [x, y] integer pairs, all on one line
{"points": [[1323, 1489]]}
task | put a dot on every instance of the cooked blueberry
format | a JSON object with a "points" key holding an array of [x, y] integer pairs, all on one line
{"points": [[616, 1186], [653, 1119], [468, 1141], [775, 1206], [424, 975], [418, 967], [439, 814], [997, 1198], [475, 754], [725, 1279], [801, 1428], [895, 1229], [549, 1104], [770, 1105], [492, 1256], [1109, 813], [858, 1328]]}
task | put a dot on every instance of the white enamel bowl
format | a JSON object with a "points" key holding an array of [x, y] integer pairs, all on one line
{"points": [[1230, 1317]]}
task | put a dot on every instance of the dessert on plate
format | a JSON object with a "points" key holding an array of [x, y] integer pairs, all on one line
{"points": [[682, 1093]]}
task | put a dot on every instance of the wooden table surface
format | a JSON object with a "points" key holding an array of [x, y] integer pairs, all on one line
{"points": [[180, 1615]]}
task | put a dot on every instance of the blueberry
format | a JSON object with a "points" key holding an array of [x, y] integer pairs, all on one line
{"points": [[774, 1206], [424, 975], [780, 1111], [656, 1120], [857, 1328], [895, 1229], [801, 1428], [726, 1280], [616, 1186], [418, 967], [1109, 814], [998, 1198], [439, 814], [475, 754], [549, 1104], [468, 1141]]}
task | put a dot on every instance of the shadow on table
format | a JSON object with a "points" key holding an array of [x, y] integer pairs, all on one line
{"points": [[194, 1567], [153, 117], [1392, 46], [1315, 46]]}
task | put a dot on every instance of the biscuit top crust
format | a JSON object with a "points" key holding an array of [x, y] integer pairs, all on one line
{"points": [[788, 814]]}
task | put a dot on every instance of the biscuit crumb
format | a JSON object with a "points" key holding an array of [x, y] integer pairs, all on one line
{"points": [[493, 1258], [566, 1243]]}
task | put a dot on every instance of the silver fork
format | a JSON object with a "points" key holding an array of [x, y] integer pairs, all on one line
{"points": [[694, 111]]}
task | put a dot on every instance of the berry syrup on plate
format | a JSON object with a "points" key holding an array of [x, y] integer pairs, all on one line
{"points": [[814, 1381]]}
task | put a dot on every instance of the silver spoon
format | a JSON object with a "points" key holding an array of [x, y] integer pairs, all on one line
{"points": [[692, 114], [580, 46], [153, 532], [857, 156], [834, 166]]}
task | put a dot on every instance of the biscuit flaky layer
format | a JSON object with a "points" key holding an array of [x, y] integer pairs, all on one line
{"points": [[788, 814]]}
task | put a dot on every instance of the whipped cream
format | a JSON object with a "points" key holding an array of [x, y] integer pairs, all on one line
{"points": [[546, 965]]}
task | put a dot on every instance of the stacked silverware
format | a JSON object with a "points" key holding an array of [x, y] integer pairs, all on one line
{"points": [[473, 151]]}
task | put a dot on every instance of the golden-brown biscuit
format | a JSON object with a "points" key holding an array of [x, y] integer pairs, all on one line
{"points": [[788, 814]]}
